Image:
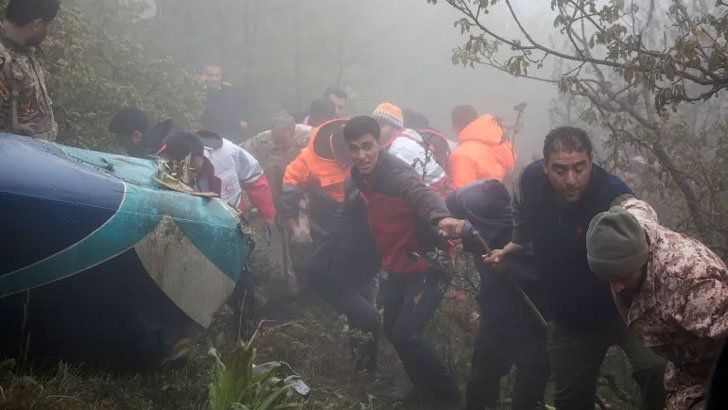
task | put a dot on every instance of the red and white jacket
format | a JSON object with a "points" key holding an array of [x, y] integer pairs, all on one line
{"points": [[408, 146], [238, 171]]}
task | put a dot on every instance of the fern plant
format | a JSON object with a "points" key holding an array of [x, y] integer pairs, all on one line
{"points": [[236, 386]]}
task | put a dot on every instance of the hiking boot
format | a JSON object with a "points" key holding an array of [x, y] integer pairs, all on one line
{"points": [[364, 353]]}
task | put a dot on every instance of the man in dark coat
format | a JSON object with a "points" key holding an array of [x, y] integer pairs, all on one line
{"points": [[405, 217], [509, 332], [343, 270], [224, 106], [558, 197], [132, 129]]}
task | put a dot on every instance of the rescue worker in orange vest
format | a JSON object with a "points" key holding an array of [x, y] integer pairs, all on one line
{"points": [[482, 152], [314, 182], [342, 265]]}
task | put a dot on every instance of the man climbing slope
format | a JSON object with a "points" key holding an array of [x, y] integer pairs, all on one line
{"points": [[405, 217]]}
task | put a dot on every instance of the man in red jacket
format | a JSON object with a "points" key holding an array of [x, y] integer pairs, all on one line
{"points": [[405, 217]]}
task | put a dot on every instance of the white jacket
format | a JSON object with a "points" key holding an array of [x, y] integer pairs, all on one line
{"points": [[235, 167], [408, 146]]}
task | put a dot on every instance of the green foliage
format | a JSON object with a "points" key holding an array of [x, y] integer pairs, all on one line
{"points": [[630, 74], [75, 387], [96, 63], [236, 387], [105, 54], [279, 54]]}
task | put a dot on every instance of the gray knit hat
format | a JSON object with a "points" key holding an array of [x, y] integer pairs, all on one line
{"points": [[616, 244]]}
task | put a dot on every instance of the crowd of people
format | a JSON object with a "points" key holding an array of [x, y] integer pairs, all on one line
{"points": [[571, 262]]}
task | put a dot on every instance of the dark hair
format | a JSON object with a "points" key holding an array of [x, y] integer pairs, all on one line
{"points": [[566, 139], [335, 91], [128, 120], [463, 115], [320, 111], [359, 126], [414, 120], [22, 12], [181, 144], [340, 147]]}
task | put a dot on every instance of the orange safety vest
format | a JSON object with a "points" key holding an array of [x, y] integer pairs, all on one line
{"points": [[481, 154], [311, 168]]}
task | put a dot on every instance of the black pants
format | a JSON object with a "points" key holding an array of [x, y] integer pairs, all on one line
{"points": [[355, 297], [490, 363], [410, 301], [242, 302], [576, 356], [718, 392]]}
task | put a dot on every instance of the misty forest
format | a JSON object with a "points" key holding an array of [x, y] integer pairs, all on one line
{"points": [[644, 79]]}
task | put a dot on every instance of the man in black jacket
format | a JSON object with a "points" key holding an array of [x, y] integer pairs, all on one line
{"points": [[224, 107], [509, 332], [404, 216], [343, 271], [133, 131], [559, 196]]}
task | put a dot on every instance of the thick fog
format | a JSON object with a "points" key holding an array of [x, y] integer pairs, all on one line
{"points": [[413, 41], [286, 52]]}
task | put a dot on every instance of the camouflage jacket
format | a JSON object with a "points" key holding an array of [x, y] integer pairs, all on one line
{"points": [[25, 106], [681, 310], [273, 160]]}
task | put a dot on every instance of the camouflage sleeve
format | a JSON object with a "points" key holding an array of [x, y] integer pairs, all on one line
{"points": [[620, 199], [251, 145], [263, 136], [5, 95], [703, 310], [641, 210], [701, 303]]}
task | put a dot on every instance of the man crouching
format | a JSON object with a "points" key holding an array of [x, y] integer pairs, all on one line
{"points": [[672, 290]]}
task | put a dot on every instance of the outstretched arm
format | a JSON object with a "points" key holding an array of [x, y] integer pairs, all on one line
{"points": [[295, 177], [427, 203], [254, 182], [520, 238], [260, 195]]}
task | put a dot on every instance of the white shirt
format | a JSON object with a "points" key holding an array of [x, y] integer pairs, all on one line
{"points": [[235, 167]]}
